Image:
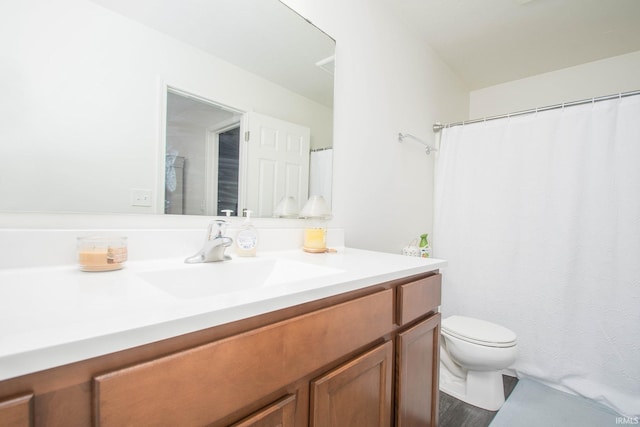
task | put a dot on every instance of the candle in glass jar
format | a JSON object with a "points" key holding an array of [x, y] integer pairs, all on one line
{"points": [[101, 253], [315, 239]]}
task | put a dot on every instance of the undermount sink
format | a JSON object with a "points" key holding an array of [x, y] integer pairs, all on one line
{"points": [[219, 278]]}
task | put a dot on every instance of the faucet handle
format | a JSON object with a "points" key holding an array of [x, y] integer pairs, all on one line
{"points": [[218, 231]]}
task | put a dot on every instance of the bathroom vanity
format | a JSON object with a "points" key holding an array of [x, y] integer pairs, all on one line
{"points": [[362, 340]]}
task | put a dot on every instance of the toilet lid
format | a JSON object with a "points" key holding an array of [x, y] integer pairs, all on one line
{"points": [[478, 331]]}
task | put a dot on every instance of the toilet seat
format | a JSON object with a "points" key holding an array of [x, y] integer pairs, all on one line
{"points": [[478, 332]]}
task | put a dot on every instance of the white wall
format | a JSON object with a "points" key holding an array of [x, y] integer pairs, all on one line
{"points": [[81, 104], [599, 78], [387, 81]]}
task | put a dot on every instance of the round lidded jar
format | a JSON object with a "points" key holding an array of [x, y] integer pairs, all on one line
{"points": [[101, 253]]}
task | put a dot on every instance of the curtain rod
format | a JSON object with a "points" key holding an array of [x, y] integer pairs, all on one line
{"points": [[437, 127], [427, 148]]}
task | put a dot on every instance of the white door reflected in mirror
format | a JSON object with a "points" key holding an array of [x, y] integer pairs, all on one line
{"points": [[277, 163]]}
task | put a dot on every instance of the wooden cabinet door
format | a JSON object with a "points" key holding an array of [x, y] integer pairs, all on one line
{"points": [[356, 394], [16, 412], [280, 414], [418, 361]]}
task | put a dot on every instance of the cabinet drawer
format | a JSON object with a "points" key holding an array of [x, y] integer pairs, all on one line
{"points": [[201, 385], [418, 298]]}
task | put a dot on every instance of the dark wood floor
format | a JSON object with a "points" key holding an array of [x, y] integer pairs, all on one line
{"points": [[455, 413]]}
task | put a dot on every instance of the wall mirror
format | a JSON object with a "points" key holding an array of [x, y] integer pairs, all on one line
{"points": [[86, 93]]}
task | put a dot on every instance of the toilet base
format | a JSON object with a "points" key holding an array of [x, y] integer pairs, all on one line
{"points": [[483, 389]]}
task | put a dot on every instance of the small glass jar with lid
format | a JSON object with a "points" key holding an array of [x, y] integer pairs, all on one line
{"points": [[101, 253]]}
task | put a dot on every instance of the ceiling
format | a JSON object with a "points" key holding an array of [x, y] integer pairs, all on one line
{"points": [[487, 42]]}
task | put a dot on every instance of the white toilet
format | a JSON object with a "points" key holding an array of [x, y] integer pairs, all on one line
{"points": [[473, 353]]}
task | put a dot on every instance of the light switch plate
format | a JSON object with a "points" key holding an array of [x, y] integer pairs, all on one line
{"points": [[141, 197]]}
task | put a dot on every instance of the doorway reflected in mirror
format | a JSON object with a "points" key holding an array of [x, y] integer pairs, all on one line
{"points": [[228, 170], [202, 156]]}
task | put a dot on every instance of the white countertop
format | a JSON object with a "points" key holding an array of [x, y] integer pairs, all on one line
{"points": [[51, 316]]}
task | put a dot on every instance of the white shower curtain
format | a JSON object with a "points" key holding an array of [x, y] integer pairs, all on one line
{"points": [[539, 218], [320, 173]]}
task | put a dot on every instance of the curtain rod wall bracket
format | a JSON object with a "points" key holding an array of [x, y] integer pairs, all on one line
{"points": [[428, 148]]}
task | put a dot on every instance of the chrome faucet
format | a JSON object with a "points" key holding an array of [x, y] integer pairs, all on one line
{"points": [[214, 244]]}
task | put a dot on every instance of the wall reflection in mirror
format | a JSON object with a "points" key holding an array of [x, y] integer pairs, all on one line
{"points": [[89, 114]]}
